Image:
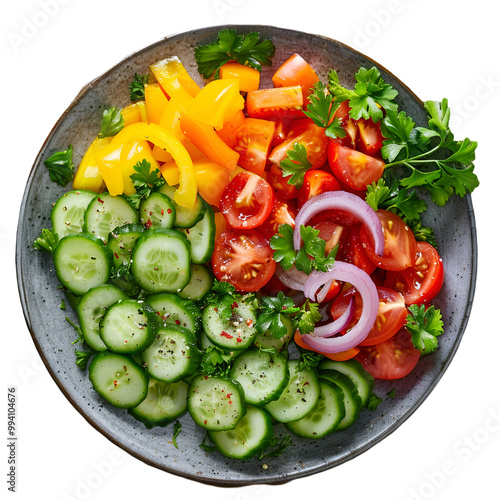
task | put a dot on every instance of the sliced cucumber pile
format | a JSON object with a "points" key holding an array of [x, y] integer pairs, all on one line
{"points": [[138, 279]]}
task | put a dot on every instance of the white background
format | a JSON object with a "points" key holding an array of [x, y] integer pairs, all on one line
{"points": [[450, 447]]}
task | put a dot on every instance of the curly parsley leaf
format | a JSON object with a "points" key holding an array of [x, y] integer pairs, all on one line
{"points": [[136, 88], [321, 109], [373, 402], [422, 233], [78, 331], [309, 360], [60, 166], [276, 447], [112, 122], [305, 320], [296, 165], [177, 430], [83, 358], [230, 45], [282, 244], [144, 180], [271, 314], [371, 94], [215, 361], [47, 241], [433, 158], [425, 325]]}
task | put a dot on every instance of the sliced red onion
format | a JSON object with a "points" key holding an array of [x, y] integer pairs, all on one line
{"points": [[290, 278], [341, 200], [338, 325], [321, 338], [320, 296]]}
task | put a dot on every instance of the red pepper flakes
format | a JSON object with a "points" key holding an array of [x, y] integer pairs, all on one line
{"points": [[239, 340], [249, 322], [162, 211], [306, 383], [115, 382], [169, 210], [234, 305], [227, 335], [148, 224], [215, 309], [116, 256], [205, 422], [100, 200], [177, 322]]}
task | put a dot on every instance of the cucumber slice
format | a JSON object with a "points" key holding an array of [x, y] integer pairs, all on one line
{"points": [[164, 403], [128, 326], [173, 355], [202, 238], [67, 215], [216, 403], [252, 434], [262, 374], [161, 261], [118, 379], [185, 217], [157, 210], [236, 333], [352, 400], [92, 307], [299, 397], [326, 415], [105, 212], [121, 242], [199, 285], [170, 308], [82, 262], [354, 370]]}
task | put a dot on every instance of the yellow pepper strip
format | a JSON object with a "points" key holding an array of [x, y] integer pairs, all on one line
{"points": [[155, 101], [108, 162], [185, 194], [135, 112], [218, 102], [88, 175], [171, 74], [211, 178], [249, 77], [132, 153]]}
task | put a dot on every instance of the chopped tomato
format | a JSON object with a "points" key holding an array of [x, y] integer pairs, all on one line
{"points": [[283, 212], [253, 142], [370, 137], [283, 102], [400, 249], [348, 124], [228, 132], [244, 259], [280, 184], [329, 231], [280, 130], [316, 182], [421, 282], [392, 359], [247, 201], [354, 168], [296, 71], [351, 249], [312, 137], [391, 315]]}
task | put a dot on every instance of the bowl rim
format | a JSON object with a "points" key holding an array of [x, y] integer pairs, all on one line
{"points": [[25, 306]]}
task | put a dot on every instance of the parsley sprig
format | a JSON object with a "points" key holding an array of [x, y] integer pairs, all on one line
{"points": [[425, 325], [312, 255], [434, 159], [112, 122], [136, 87], [296, 164], [272, 311], [47, 241], [60, 166], [305, 320], [230, 45], [144, 180]]}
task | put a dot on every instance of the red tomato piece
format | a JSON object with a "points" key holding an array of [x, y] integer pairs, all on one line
{"points": [[316, 182], [400, 250], [348, 124], [244, 259], [281, 102], [283, 212], [354, 168], [370, 137], [253, 142], [421, 282], [312, 137], [392, 359], [351, 249], [391, 315], [296, 71], [280, 184], [247, 201]]}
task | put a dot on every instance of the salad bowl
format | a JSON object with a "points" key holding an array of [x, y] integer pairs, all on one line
{"points": [[40, 296]]}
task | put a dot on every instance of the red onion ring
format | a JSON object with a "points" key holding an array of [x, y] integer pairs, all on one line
{"points": [[340, 200], [338, 325], [321, 338], [291, 278]]}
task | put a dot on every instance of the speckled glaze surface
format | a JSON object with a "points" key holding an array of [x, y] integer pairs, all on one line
{"points": [[52, 335]]}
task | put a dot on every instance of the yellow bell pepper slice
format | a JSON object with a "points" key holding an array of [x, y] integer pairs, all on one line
{"points": [[171, 74], [185, 195], [135, 112], [218, 102], [248, 77], [155, 101], [108, 162], [132, 153], [88, 175]]}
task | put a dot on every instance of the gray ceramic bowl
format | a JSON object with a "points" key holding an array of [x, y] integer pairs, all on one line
{"points": [[40, 297]]}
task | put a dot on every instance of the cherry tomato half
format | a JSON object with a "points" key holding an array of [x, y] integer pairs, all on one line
{"points": [[354, 168], [400, 244], [316, 182], [351, 249], [393, 359], [247, 201], [283, 212], [244, 259], [391, 315], [421, 282]]}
